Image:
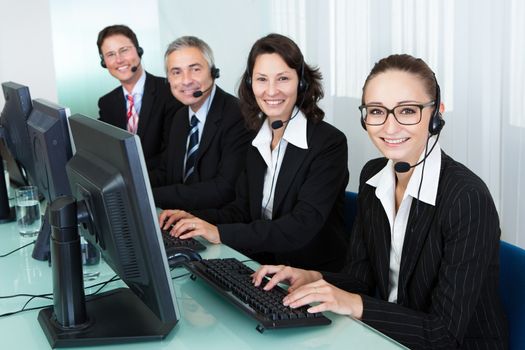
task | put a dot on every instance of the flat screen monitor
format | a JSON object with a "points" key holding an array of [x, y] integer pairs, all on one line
{"points": [[14, 117], [110, 186], [51, 149]]}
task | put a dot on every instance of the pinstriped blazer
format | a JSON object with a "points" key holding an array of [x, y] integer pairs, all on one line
{"points": [[448, 279]]}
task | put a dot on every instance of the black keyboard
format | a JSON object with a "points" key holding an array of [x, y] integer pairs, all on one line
{"points": [[231, 279], [172, 242]]}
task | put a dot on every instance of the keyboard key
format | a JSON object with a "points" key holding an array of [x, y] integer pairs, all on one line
{"points": [[171, 242]]}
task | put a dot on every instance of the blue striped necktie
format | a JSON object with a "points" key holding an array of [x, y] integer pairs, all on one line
{"points": [[193, 146]]}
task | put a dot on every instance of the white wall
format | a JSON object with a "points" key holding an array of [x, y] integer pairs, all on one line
{"points": [[56, 57], [26, 47]]}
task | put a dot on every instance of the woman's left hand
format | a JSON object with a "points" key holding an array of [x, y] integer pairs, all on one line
{"points": [[329, 297], [193, 226]]}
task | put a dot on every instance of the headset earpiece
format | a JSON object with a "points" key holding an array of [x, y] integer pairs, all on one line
{"points": [[102, 63], [436, 119], [215, 72], [363, 123], [140, 51], [303, 84]]}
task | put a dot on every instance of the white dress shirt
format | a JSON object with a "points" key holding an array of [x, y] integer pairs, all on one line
{"points": [[385, 183], [137, 93], [295, 133]]}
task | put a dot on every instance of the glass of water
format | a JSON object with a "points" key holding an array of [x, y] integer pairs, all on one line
{"points": [[27, 206]]}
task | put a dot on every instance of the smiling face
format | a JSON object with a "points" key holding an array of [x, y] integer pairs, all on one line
{"points": [[188, 72], [274, 86], [395, 141], [120, 55]]}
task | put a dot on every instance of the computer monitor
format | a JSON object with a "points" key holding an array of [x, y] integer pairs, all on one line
{"points": [[51, 149], [112, 199], [14, 117], [13, 130]]}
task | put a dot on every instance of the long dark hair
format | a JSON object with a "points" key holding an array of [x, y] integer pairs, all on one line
{"points": [[291, 54]]}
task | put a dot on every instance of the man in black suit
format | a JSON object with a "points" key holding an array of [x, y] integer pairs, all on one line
{"points": [[208, 138], [143, 103]]}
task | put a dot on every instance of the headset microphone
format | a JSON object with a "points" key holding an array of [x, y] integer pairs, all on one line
{"points": [[199, 93], [277, 124], [134, 69], [403, 167]]}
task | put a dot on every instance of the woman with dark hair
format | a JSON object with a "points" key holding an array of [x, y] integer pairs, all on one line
{"points": [[423, 257], [289, 200]]}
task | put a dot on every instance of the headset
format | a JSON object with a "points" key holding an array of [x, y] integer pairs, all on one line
{"points": [[301, 87], [215, 72], [140, 52], [436, 122]]}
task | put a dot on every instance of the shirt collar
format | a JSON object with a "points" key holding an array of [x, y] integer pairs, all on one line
{"points": [[295, 132], [384, 180], [202, 113], [138, 89]]}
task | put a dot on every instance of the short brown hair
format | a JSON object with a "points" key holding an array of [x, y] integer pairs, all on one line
{"points": [[115, 30]]}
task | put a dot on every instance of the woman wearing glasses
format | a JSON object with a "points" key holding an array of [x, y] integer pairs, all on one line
{"points": [[423, 261]]}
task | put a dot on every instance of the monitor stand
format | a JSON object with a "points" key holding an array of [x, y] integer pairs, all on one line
{"points": [[41, 251], [114, 317]]}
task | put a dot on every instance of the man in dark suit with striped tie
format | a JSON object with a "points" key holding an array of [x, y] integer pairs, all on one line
{"points": [[143, 103], [208, 139]]}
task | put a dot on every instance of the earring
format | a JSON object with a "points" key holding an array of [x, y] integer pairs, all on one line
{"points": [[260, 114]]}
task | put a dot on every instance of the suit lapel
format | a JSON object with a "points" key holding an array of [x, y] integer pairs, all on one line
{"points": [[147, 103], [418, 228], [179, 138], [256, 170], [120, 109], [212, 123], [382, 237], [292, 161]]}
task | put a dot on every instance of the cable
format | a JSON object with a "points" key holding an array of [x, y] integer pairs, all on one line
{"points": [[423, 169], [273, 179], [48, 296], [17, 249]]}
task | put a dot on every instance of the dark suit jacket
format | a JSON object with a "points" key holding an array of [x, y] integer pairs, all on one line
{"points": [[307, 225], [448, 279], [156, 113], [220, 158]]}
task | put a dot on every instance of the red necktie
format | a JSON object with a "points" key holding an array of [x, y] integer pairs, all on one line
{"points": [[133, 118]]}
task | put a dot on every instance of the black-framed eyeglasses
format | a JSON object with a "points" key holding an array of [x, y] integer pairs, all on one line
{"points": [[405, 114]]}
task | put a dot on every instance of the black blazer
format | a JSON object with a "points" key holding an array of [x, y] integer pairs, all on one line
{"points": [[448, 279], [307, 225], [156, 113], [220, 158]]}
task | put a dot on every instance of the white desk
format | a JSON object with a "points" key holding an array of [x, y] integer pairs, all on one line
{"points": [[207, 320]]}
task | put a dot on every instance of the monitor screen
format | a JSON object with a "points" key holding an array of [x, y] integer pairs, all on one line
{"points": [[108, 179], [14, 123]]}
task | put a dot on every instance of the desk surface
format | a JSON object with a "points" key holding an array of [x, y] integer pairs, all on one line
{"points": [[207, 320]]}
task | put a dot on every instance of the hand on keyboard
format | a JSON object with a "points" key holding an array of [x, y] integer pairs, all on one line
{"points": [[233, 280]]}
